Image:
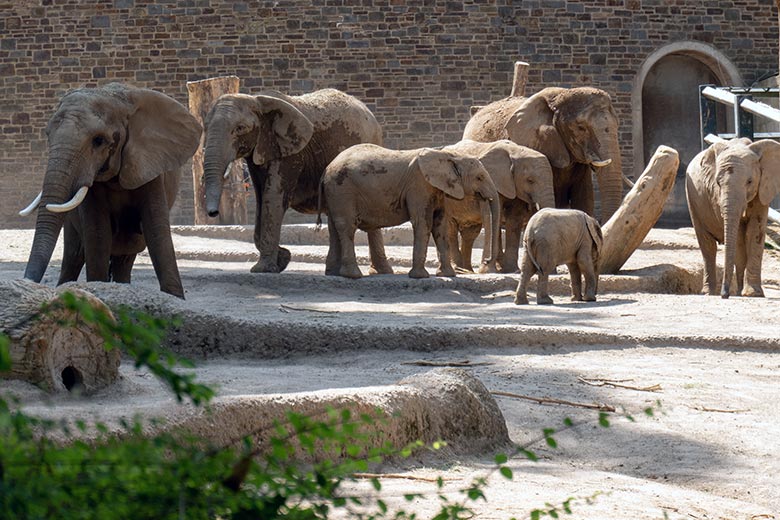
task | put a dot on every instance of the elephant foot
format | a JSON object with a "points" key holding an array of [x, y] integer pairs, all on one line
{"points": [[576, 298], [265, 265], [521, 300], [753, 292], [350, 272], [419, 273], [446, 272], [488, 268], [590, 298], [544, 300], [382, 269], [508, 267]]}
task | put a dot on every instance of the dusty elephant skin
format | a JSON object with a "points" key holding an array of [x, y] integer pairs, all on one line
{"points": [[115, 156], [729, 187], [576, 129], [369, 187], [287, 142], [523, 178], [561, 236]]}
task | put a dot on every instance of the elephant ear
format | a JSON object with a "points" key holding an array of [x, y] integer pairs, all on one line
{"points": [[292, 129], [595, 232], [531, 125], [769, 157], [439, 169], [161, 136], [500, 166]]}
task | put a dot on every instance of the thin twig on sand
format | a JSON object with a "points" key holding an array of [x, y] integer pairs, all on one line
{"points": [[287, 308], [719, 410], [399, 476], [427, 363], [550, 400], [615, 383]]}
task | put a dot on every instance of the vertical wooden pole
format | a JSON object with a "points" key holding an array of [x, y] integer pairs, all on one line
{"points": [[520, 79], [232, 205]]}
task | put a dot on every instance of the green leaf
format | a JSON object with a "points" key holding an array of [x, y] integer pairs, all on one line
{"points": [[5, 354], [506, 472], [382, 506], [551, 442], [568, 422], [604, 419], [649, 411], [377, 485], [536, 514], [501, 458], [528, 454]]}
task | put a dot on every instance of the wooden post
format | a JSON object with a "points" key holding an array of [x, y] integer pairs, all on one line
{"points": [[55, 350], [520, 79], [640, 210], [232, 205]]}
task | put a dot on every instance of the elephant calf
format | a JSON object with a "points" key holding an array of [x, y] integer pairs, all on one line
{"points": [[560, 236], [369, 187]]}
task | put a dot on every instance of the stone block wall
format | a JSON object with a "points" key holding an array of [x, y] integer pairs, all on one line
{"points": [[418, 64]]}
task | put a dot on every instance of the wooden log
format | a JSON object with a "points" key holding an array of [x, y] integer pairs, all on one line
{"points": [[54, 350], [520, 79], [233, 204], [640, 210]]}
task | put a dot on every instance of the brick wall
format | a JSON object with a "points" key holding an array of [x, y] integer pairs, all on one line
{"points": [[418, 64]]}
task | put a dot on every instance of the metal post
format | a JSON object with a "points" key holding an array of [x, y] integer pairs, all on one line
{"points": [[707, 116], [743, 120]]}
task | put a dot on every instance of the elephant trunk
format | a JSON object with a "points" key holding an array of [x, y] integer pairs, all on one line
{"points": [[731, 216], [215, 161], [545, 196], [491, 220], [610, 179], [56, 189]]}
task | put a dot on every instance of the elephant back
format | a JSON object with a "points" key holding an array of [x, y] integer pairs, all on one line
{"points": [[488, 123], [339, 116]]}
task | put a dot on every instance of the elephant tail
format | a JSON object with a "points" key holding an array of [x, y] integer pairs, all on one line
{"points": [[319, 205], [527, 247]]}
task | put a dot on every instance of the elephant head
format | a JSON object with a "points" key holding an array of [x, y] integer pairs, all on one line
{"points": [[743, 173], [457, 176], [520, 173], [574, 126], [267, 126], [131, 135]]}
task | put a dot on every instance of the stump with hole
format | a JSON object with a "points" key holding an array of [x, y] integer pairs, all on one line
{"points": [[56, 350]]}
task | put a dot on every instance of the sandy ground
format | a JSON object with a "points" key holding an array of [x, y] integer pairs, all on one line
{"points": [[710, 451]]}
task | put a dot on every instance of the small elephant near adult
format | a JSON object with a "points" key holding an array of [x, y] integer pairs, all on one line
{"points": [[555, 237], [524, 180], [729, 187], [575, 128], [115, 159], [287, 142], [368, 187]]}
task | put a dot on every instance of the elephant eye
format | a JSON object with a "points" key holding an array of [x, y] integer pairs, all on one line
{"points": [[242, 129], [98, 141]]}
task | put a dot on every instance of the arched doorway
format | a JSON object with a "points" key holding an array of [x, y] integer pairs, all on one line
{"points": [[666, 111]]}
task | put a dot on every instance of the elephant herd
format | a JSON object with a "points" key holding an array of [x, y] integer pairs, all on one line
{"points": [[116, 153]]}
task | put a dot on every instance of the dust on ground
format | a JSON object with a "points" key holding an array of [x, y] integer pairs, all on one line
{"points": [[709, 452]]}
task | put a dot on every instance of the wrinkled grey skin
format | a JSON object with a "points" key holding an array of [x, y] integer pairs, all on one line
{"points": [[560, 236], [576, 129], [127, 145], [369, 187], [287, 142], [729, 187], [523, 178]]}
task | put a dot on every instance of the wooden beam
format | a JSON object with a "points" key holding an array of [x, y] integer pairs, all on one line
{"points": [[520, 79]]}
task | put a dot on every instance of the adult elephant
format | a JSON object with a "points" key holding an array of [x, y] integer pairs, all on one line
{"points": [[115, 158], [729, 187], [287, 142], [576, 129]]}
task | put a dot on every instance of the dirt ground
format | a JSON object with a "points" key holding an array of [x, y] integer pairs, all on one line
{"points": [[710, 452]]}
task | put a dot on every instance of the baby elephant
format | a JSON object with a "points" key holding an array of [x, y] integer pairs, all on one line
{"points": [[560, 236], [369, 187]]}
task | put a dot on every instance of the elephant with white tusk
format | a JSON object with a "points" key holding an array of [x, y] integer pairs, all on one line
{"points": [[729, 187], [115, 159], [369, 187]]}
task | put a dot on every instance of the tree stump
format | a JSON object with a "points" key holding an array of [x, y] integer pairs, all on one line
{"points": [[232, 205], [55, 351], [520, 79], [640, 210]]}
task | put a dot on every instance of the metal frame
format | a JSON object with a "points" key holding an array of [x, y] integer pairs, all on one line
{"points": [[740, 99]]}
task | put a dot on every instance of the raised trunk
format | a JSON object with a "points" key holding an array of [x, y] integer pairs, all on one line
{"points": [[491, 221], [610, 179], [731, 217]]}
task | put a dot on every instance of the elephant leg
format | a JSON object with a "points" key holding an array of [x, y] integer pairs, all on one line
{"points": [[333, 261], [484, 265], [542, 295], [72, 254], [155, 222], [96, 228], [271, 197], [576, 281], [440, 230], [376, 252], [421, 226], [453, 230], [527, 271], [581, 194], [709, 249], [585, 264], [755, 234], [345, 229], [121, 267], [468, 235], [740, 258]]}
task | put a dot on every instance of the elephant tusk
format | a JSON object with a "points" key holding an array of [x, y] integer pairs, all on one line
{"points": [[601, 164], [227, 170], [628, 181], [33, 206], [77, 199]]}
